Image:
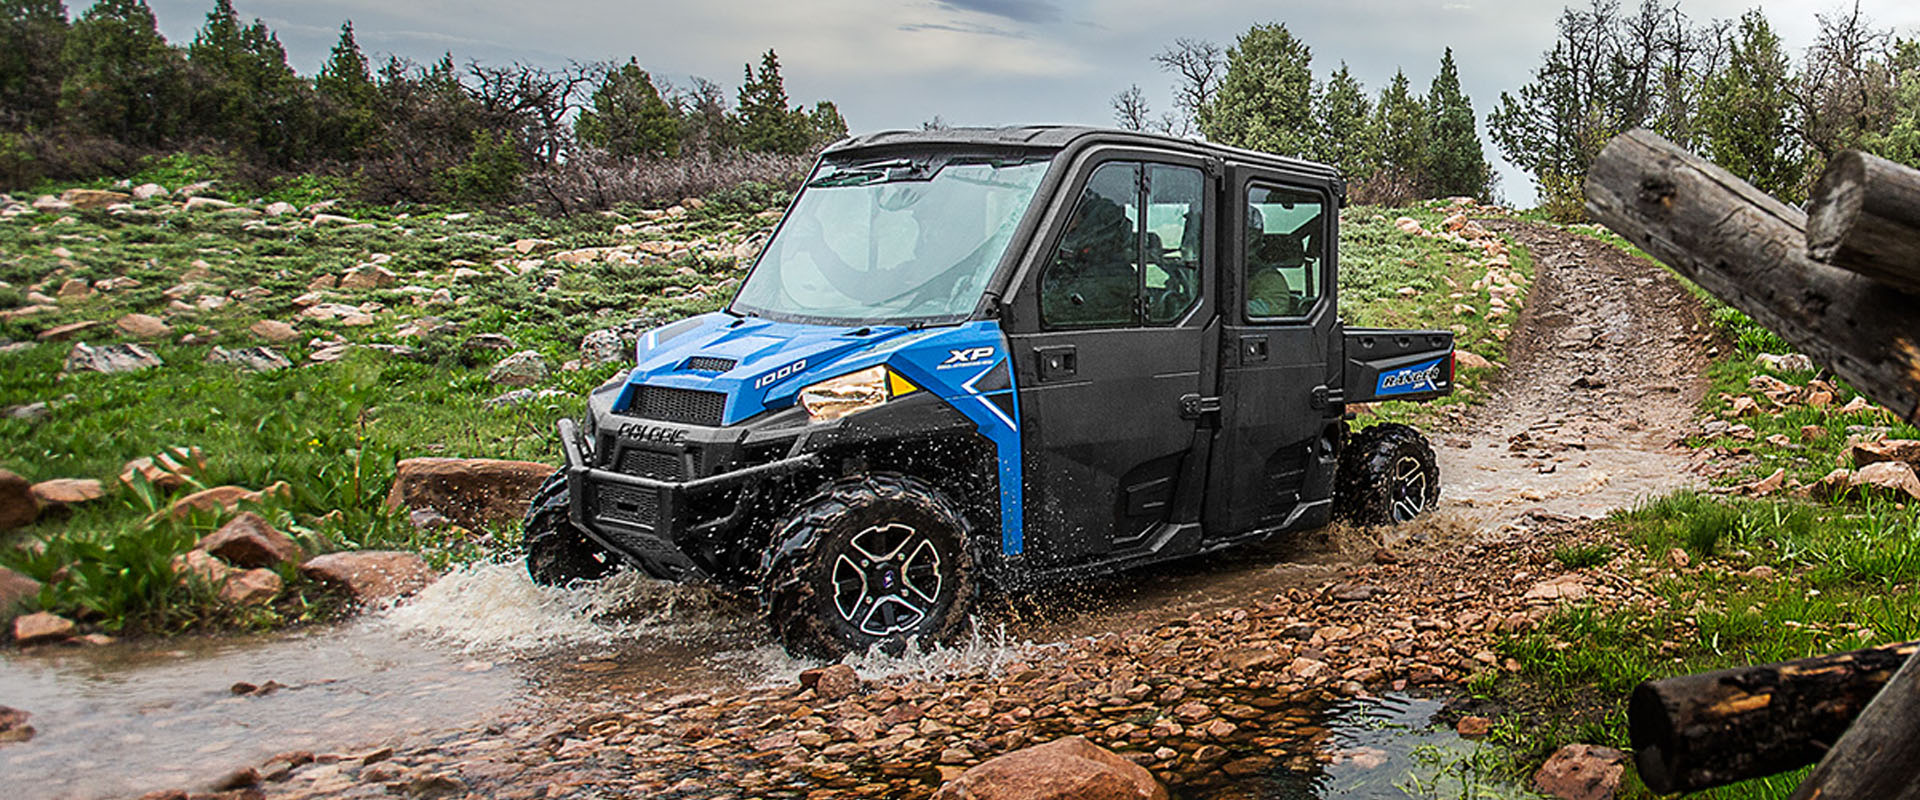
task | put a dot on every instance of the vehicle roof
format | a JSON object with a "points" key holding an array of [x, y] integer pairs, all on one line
{"points": [[1061, 137]]}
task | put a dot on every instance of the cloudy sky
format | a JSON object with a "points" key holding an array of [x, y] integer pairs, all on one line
{"points": [[896, 63]]}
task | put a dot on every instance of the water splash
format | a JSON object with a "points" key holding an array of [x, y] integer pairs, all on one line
{"points": [[979, 654]]}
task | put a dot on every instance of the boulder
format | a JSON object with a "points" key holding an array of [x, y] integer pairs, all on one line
{"points": [[1582, 772], [167, 469], [329, 220], [604, 347], [253, 587], [1903, 450], [143, 326], [371, 575], [524, 368], [248, 541], [274, 330], [834, 683], [68, 491], [1063, 769], [110, 359], [257, 359], [15, 590], [17, 504], [472, 492], [225, 498], [41, 627], [1887, 477]]}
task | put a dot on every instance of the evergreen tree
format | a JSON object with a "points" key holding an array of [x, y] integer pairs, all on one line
{"points": [[1455, 163], [246, 94], [828, 125], [1744, 112], [124, 81], [628, 118], [1400, 125], [767, 125], [1901, 141], [1265, 101], [348, 97], [1341, 114], [34, 31]]}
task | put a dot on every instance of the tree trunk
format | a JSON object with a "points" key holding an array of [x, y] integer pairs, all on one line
{"points": [[1694, 732], [1880, 755], [1865, 218], [1749, 250]]}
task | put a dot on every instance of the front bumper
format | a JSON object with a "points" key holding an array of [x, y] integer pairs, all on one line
{"points": [[650, 521]]}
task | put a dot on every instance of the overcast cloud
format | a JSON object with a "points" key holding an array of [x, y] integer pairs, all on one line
{"points": [[897, 63]]}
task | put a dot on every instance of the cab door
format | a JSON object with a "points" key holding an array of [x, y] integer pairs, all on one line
{"points": [[1110, 340], [1279, 412]]}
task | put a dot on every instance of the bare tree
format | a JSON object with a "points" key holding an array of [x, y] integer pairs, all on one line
{"points": [[1130, 110], [539, 102], [1200, 65], [1845, 89]]}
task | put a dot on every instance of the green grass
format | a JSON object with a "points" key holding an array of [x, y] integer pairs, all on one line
{"points": [[1583, 555]]}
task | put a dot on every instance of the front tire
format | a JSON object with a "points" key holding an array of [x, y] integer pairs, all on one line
{"points": [[1388, 476], [877, 560], [557, 552]]}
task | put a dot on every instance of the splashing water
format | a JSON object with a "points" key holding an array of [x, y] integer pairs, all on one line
{"points": [[979, 654]]}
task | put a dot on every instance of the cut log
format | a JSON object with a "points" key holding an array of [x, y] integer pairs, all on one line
{"points": [[1865, 218], [1695, 732], [1878, 755], [1749, 250]]}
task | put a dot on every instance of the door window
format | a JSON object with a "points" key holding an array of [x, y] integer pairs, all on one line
{"points": [[1175, 237], [1285, 249], [1118, 267]]}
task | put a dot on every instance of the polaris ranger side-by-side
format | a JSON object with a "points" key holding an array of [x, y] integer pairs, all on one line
{"points": [[996, 355]]}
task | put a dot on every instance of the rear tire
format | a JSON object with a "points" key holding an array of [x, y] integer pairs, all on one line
{"points": [[877, 560], [1387, 476], [557, 552]]}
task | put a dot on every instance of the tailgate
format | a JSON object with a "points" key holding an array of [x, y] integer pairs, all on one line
{"points": [[1386, 364]]}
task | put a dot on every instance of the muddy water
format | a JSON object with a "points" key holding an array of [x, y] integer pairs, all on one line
{"points": [[1379, 748]]}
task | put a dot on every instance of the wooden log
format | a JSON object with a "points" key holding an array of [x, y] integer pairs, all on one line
{"points": [[1865, 218], [1695, 732], [1749, 250], [1880, 755]]}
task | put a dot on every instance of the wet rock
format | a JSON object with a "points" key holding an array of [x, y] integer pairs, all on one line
{"points": [[274, 330], [435, 785], [371, 575], [1064, 769], [524, 368], [13, 725], [238, 779], [68, 491], [167, 469], [252, 587], [1582, 772], [143, 326], [248, 541], [41, 627], [226, 498], [1473, 726], [257, 359], [110, 359], [17, 504], [472, 492], [835, 682]]}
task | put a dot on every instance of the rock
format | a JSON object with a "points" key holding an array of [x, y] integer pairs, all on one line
{"points": [[1063, 769], [195, 188], [280, 209], [248, 541], [225, 498], [1679, 558], [603, 347], [253, 587], [17, 504], [368, 276], [1767, 485], [524, 368], [1856, 405], [1473, 726], [92, 199], [329, 220], [207, 204], [167, 469], [74, 289], [1790, 362], [41, 627], [60, 333], [1582, 772], [13, 725], [31, 411], [518, 396], [1887, 477], [238, 779], [487, 341], [148, 191], [1902, 450], [474, 493], [836, 682], [110, 359], [1760, 573], [48, 204], [68, 491], [274, 330], [529, 246], [202, 565], [258, 359], [143, 326], [371, 575], [15, 590], [435, 785], [1468, 358]]}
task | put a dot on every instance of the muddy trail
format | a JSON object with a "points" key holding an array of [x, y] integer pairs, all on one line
{"points": [[1228, 676]]}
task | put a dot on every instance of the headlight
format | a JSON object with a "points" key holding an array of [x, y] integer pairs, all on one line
{"points": [[853, 392]]}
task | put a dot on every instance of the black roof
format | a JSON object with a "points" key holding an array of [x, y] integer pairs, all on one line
{"points": [[1060, 137]]}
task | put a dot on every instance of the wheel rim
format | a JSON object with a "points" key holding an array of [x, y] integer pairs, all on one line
{"points": [[889, 580], [1409, 480]]}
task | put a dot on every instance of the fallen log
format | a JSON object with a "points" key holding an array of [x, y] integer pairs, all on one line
{"points": [[1749, 250], [1864, 217], [1880, 754], [1695, 732]]}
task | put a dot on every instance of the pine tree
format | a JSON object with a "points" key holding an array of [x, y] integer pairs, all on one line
{"points": [[628, 118], [767, 124], [1400, 123], [828, 125], [1744, 112], [245, 93], [124, 81], [1455, 163], [30, 65], [348, 97], [1346, 136], [1265, 102]]}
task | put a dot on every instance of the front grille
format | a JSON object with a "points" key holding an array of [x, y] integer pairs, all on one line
{"points": [[653, 464], [689, 406], [627, 504], [709, 364]]}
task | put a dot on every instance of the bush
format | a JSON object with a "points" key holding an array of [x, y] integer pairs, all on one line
{"points": [[594, 180], [490, 173], [1563, 197]]}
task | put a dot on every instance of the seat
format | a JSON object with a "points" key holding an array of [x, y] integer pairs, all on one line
{"points": [[1268, 293]]}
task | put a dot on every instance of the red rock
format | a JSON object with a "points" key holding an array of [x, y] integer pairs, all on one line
{"points": [[253, 587], [143, 326], [1473, 726], [274, 331], [1582, 772], [68, 491], [225, 498], [1903, 450], [40, 627], [168, 469], [1064, 769], [371, 575], [201, 564], [474, 493], [836, 682], [248, 541], [17, 505]]}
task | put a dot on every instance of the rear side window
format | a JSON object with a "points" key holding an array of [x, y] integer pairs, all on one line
{"points": [[1284, 251], [1131, 252]]}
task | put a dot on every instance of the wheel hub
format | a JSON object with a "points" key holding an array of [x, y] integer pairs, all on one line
{"points": [[888, 581], [1409, 480]]}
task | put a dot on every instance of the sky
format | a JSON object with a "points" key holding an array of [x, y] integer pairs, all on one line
{"points": [[897, 63]]}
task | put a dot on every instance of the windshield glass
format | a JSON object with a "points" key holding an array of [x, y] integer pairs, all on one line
{"points": [[891, 241]]}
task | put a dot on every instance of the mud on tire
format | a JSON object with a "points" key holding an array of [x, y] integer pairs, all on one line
{"points": [[877, 560], [1387, 476], [557, 552]]}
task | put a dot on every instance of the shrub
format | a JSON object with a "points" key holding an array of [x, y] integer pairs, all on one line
{"points": [[490, 173], [594, 180]]}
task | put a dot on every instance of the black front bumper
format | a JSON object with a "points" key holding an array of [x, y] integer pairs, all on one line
{"points": [[649, 520]]}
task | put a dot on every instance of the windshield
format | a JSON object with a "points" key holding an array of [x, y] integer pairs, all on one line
{"points": [[891, 241]]}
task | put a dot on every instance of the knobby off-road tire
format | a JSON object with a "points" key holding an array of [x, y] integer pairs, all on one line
{"points": [[1387, 476], [557, 552], [872, 561]]}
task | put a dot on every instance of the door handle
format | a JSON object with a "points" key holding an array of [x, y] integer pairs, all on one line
{"points": [[1253, 349], [1058, 361]]}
